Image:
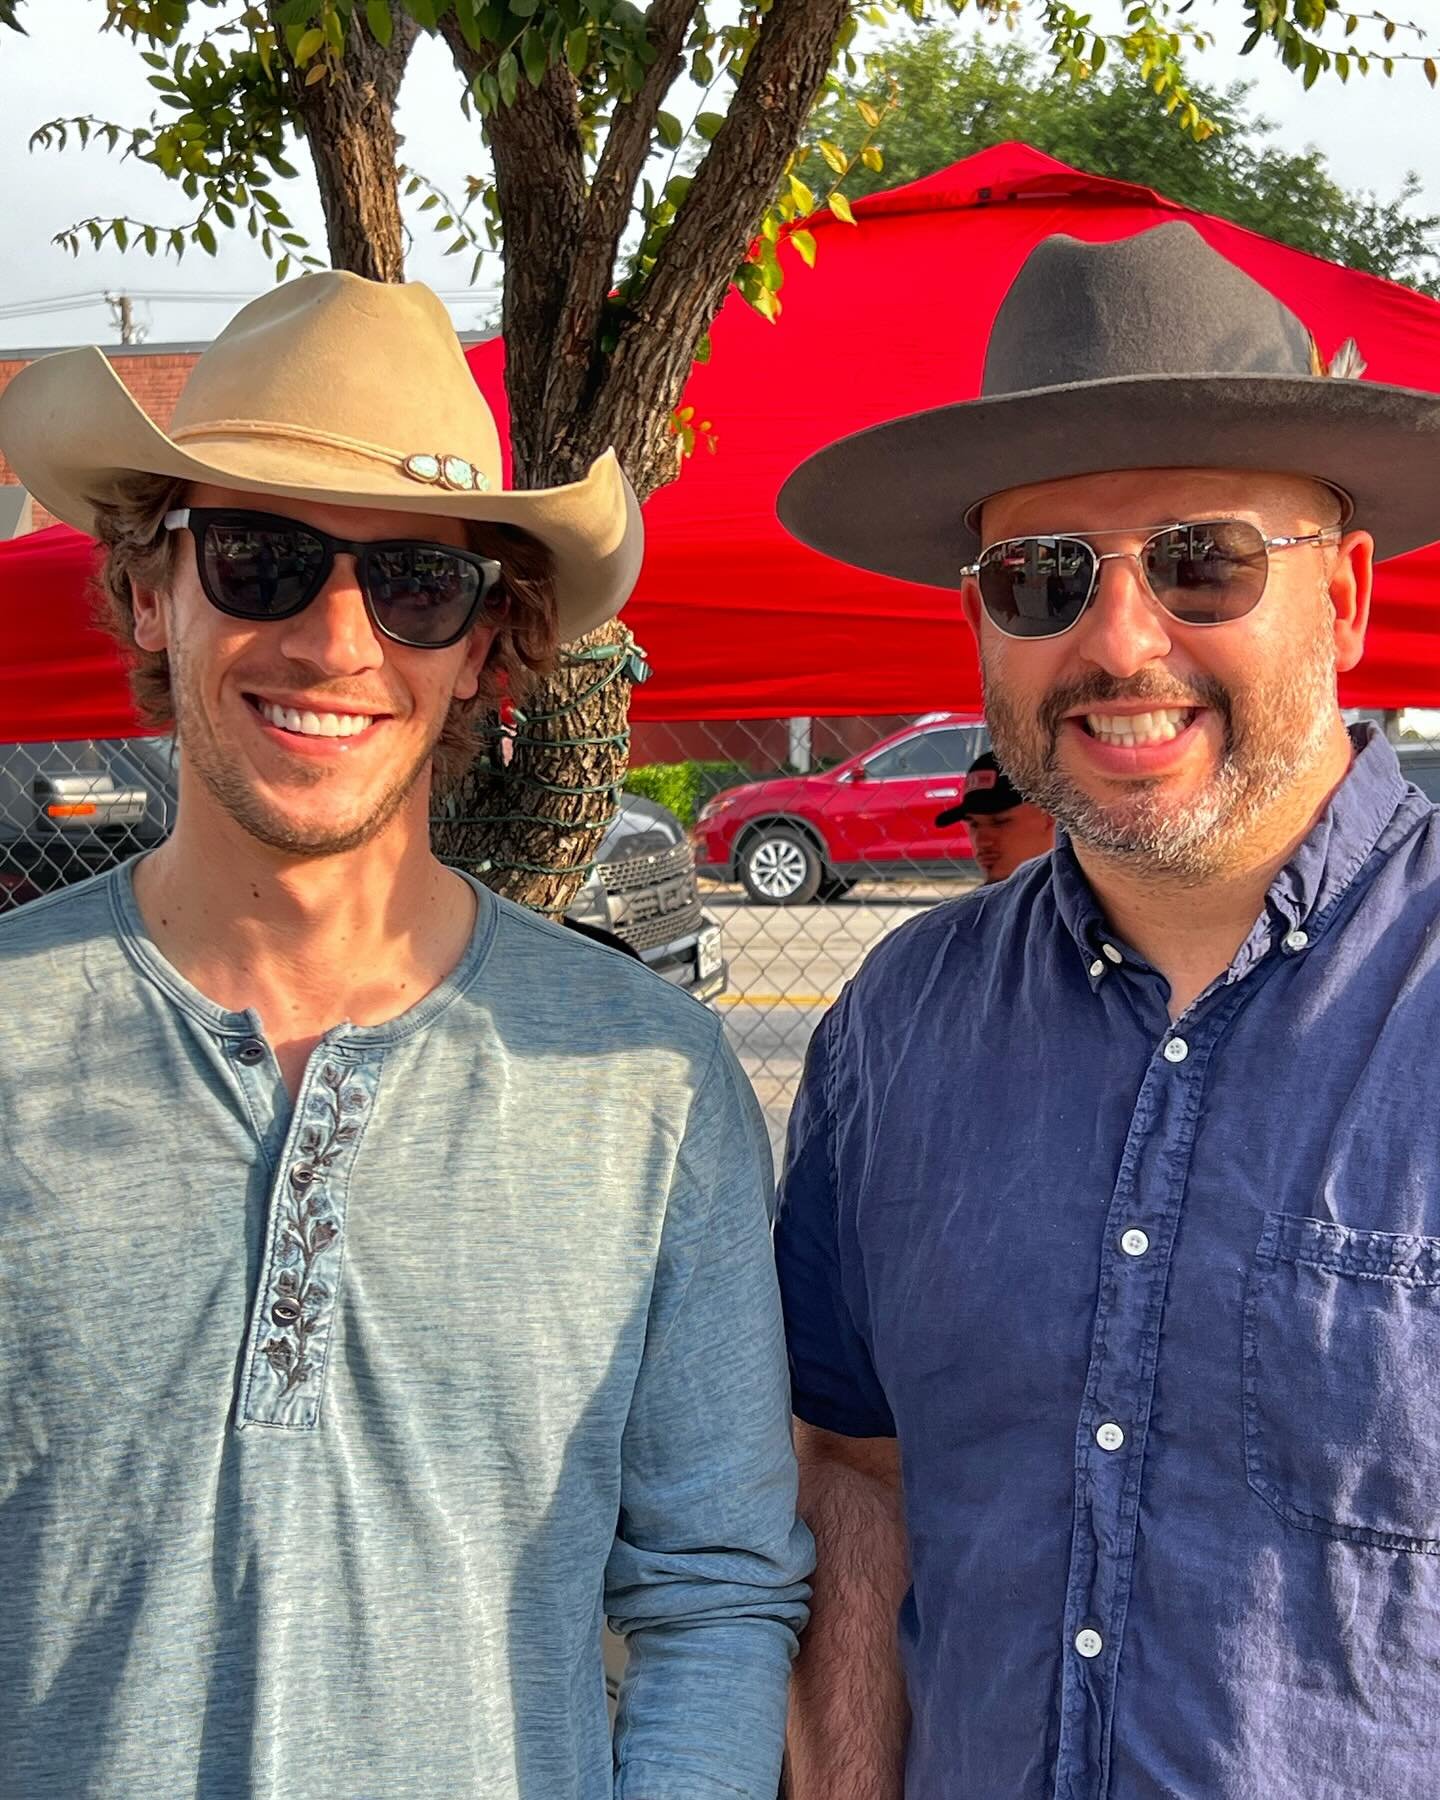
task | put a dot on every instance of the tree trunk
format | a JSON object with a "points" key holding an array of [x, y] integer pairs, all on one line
{"points": [[569, 403], [349, 124]]}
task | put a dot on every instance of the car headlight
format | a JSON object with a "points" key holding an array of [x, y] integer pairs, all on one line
{"points": [[716, 803]]}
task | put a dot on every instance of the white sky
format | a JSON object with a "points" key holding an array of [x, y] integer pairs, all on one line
{"points": [[1372, 131]]}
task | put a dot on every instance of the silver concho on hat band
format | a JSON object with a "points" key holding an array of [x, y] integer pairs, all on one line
{"points": [[446, 471]]}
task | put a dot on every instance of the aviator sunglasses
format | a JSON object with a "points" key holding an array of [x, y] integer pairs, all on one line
{"points": [[1205, 572], [263, 566]]}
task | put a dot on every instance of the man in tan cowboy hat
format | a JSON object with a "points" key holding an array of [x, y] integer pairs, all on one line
{"points": [[1110, 1233], [386, 1294]]}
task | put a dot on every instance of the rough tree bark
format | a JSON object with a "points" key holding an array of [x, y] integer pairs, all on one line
{"points": [[349, 125], [569, 402]]}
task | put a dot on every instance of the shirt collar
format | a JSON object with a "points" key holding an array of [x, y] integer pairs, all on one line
{"points": [[1305, 893]]}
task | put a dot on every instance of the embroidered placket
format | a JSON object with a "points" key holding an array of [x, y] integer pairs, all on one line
{"points": [[294, 1313]]}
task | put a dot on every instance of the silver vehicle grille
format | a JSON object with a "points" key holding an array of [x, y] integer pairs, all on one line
{"points": [[653, 899]]}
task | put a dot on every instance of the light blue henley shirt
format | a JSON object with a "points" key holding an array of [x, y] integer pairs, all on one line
{"points": [[328, 1433]]}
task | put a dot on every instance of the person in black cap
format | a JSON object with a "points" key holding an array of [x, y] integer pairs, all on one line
{"points": [[1006, 829]]}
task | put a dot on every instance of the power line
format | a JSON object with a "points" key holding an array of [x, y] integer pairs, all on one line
{"points": [[20, 309]]}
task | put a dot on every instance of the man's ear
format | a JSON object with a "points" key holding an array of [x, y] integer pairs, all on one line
{"points": [[478, 647], [151, 626], [1350, 586]]}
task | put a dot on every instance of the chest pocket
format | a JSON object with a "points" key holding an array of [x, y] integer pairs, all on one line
{"points": [[1342, 1382]]}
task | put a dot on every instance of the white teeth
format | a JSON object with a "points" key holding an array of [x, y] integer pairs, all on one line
{"points": [[1139, 728], [313, 724]]}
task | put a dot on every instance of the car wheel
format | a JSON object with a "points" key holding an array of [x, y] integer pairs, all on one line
{"points": [[780, 867]]}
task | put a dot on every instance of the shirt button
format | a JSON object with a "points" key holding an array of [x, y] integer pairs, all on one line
{"points": [[1089, 1643], [1097, 969], [285, 1312], [1109, 1436], [1111, 954], [250, 1051], [1134, 1242], [1296, 940], [1176, 1050]]}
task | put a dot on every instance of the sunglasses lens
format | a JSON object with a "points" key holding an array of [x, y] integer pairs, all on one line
{"points": [[1038, 586], [1207, 574], [422, 594], [259, 571]]}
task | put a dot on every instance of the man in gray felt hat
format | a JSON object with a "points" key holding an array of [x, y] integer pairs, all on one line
{"points": [[1110, 1231]]}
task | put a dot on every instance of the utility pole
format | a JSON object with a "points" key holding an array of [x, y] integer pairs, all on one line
{"points": [[122, 311]]}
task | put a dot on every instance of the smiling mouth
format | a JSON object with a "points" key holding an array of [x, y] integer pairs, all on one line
{"points": [[1124, 729], [307, 722]]}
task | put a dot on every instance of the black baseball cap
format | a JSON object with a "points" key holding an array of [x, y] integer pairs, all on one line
{"points": [[988, 789]]}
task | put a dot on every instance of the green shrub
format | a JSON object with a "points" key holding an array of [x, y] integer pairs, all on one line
{"points": [[684, 787]]}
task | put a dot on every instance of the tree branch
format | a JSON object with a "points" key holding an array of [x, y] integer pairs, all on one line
{"points": [[348, 120], [642, 380], [627, 146], [540, 184]]}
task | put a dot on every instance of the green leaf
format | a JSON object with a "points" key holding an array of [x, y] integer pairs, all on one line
{"points": [[668, 129], [282, 268], [524, 9], [378, 18], [676, 188], [804, 242], [121, 236], [802, 195], [702, 349], [840, 206], [205, 237], [535, 55], [507, 74], [872, 158], [148, 238], [833, 155], [702, 70], [312, 41], [707, 124], [577, 49]]}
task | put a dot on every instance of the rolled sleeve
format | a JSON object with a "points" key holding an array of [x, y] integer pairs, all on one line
{"points": [[707, 1576], [832, 1376]]}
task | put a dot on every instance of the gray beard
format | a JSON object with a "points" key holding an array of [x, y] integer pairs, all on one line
{"points": [[1273, 739]]}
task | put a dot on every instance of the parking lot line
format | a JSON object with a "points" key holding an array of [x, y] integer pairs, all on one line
{"points": [[775, 1000]]}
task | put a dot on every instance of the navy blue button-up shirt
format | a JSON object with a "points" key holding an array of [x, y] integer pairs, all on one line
{"points": [[1154, 1310]]}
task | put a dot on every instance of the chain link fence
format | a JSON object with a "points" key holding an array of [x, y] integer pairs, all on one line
{"points": [[755, 863]]}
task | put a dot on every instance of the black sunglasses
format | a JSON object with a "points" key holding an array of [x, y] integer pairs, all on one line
{"points": [[1205, 572], [256, 565]]}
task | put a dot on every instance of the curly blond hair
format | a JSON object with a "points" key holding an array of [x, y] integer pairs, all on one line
{"points": [[139, 551]]}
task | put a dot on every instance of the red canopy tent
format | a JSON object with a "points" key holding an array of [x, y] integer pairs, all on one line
{"points": [[739, 620]]}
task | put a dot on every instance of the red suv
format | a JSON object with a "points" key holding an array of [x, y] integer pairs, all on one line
{"points": [[802, 837]]}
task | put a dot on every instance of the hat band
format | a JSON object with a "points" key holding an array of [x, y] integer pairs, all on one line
{"points": [[437, 468]]}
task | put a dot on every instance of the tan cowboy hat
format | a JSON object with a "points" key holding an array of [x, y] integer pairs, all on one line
{"points": [[329, 388]]}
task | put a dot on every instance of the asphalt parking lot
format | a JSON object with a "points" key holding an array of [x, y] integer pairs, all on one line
{"points": [[789, 963]]}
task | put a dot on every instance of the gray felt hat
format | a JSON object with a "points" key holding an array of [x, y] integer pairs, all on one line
{"points": [[1151, 352]]}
